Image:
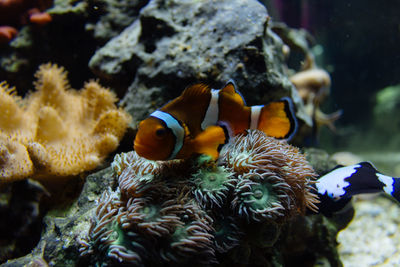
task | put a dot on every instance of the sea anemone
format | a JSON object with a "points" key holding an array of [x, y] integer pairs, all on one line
{"points": [[261, 196], [100, 234], [197, 210], [213, 186], [153, 217], [134, 173], [227, 232], [193, 239], [269, 166], [145, 216]]}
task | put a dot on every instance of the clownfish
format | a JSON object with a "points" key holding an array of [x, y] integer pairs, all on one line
{"points": [[201, 120], [337, 187]]}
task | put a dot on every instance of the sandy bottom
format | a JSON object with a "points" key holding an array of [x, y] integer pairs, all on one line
{"points": [[373, 237]]}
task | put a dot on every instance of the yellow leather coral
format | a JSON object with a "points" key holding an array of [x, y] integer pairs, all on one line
{"points": [[57, 131]]}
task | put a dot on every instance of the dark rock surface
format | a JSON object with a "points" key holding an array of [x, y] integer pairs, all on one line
{"points": [[59, 245]]}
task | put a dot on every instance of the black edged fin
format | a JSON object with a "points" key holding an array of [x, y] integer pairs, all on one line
{"points": [[231, 88], [227, 130], [291, 114]]}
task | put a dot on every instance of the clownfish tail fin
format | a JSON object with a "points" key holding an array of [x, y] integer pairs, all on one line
{"points": [[210, 140], [276, 119]]}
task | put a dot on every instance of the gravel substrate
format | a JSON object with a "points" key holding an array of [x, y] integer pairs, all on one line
{"points": [[373, 237]]}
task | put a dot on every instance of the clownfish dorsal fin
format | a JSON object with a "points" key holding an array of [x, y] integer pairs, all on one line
{"points": [[195, 91], [231, 89]]}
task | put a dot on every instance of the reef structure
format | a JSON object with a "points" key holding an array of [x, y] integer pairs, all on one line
{"points": [[197, 210], [57, 131]]}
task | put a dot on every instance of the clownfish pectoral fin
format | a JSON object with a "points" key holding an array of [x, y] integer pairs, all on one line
{"points": [[276, 119], [231, 89], [209, 141]]}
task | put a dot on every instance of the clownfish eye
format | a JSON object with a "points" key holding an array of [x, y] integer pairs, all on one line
{"points": [[161, 132]]}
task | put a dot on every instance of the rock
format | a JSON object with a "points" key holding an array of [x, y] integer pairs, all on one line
{"points": [[346, 158], [59, 245], [21, 216], [114, 17]]}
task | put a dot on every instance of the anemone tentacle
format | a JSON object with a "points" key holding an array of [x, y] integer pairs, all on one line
{"points": [[212, 186]]}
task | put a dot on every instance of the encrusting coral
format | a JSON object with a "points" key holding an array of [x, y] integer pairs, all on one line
{"points": [[57, 131], [196, 210]]}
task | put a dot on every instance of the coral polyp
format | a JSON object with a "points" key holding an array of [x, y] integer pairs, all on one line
{"points": [[259, 197], [227, 233], [192, 239], [149, 218], [277, 161], [213, 186], [100, 234], [196, 210]]}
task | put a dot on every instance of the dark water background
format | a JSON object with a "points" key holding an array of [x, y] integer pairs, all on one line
{"points": [[362, 53]]}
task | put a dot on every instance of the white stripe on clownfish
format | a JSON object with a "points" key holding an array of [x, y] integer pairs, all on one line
{"points": [[255, 116], [175, 127], [212, 112]]}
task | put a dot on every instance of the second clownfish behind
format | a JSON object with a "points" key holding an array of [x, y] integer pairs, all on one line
{"points": [[198, 122]]}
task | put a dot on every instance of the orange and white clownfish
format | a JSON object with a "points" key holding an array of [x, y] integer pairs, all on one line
{"points": [[201, 119]]}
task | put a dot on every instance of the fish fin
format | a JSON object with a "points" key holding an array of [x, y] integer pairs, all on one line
{"points": [[367, 164], [230, 88], [209, 141], [329, 206], [277, 119], [396, 189], [196, 90], [227, 128]]}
